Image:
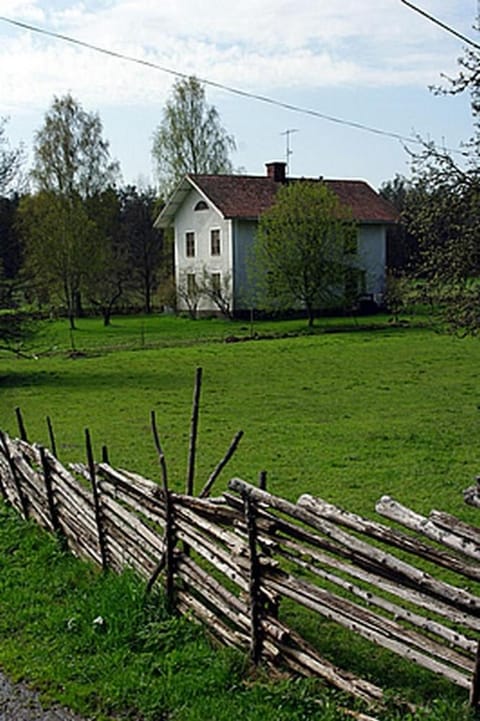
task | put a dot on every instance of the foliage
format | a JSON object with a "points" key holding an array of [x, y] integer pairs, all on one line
{"points": [[443, 213], [70, 155], [60, 244], [402, 245], [16, 331], [189, 291], [304, 248], [190, 138], [149, 258], [66, 225], [11, 161], [108, 273], [218, 289], [11, 254]]}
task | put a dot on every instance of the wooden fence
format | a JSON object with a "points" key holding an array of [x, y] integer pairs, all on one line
{"points": [[231, 560]]}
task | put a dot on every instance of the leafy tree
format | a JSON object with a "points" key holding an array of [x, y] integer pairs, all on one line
{"points": [[190, 138], [70, 155], [11, 254], [108, 275], [402, 245], [305, 248], [148, 261], [71, 168], [60, 244], [189, 291], [443, 213], [218, 288], [11, 160]]}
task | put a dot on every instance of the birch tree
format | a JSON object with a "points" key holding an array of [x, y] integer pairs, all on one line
{"points": [[190, 138]]}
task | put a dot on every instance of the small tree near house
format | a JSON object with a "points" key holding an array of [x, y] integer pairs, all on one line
{"points": [[217, 287], [189, 291], [305, 249]]}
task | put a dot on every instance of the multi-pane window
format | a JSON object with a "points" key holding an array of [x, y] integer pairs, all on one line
{"points": [[215, 242], [191, 284], [190, 244]]}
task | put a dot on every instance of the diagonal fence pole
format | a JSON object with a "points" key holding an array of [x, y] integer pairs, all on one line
{"points": [[22, 498], [167, 559]]}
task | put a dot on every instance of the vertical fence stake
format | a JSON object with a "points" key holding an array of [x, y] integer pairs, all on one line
{"points": [[51, 435], [52, 508], [169, 558], [255, 581], [21, 425], [193, 433], [475, 687], [105, 458], [21, 496], [97, 503], [262, 480]]}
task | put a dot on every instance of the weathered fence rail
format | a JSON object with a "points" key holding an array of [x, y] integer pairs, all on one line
{"points": [[231, 560]]}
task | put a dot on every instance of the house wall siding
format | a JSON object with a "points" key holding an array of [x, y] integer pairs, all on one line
{"points": [[243, 237], [372, 256], [201, 222]]}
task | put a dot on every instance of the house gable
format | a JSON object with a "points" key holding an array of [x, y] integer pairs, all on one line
{"points": [[202, 238]]}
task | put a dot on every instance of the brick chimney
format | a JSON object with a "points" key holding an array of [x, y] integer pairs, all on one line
{"points": [[276, 171]]}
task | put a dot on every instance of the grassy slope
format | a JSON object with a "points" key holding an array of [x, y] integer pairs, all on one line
{"points": [[348, 417]]}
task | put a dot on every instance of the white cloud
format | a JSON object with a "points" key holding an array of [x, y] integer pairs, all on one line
{"points": [[258, 45]]}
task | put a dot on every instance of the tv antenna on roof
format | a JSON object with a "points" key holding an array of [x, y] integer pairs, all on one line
{"points": [[288, 151]]}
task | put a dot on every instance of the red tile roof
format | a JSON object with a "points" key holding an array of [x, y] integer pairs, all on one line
{"points": [[248, 196]]}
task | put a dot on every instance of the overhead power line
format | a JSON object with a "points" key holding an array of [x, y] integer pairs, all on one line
{"points": [[220, 86], [446, 27]]}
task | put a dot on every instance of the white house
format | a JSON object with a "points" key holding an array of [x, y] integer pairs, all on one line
{"points": [[215, 217]]}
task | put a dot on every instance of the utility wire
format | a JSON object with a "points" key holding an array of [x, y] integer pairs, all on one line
{"points": [[435, 20], [220, 86]]}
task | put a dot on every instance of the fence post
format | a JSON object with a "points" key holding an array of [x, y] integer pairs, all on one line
{"points": [[97, 503], [21, 424], [193, 433], [51, 435], [255, 581], [169, 557], [475, 687], [18, 486], [52, 508]]}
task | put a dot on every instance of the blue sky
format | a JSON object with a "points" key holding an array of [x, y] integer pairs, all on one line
{"points": [[367, 61]]}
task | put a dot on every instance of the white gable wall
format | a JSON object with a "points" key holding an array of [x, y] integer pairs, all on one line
{"points": [[201, 222]]}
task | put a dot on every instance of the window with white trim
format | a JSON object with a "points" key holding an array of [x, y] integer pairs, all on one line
{"points": [[190, 244], [215, 241]]}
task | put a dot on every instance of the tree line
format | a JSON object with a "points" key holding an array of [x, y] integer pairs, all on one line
{"points": [[73, 239]]}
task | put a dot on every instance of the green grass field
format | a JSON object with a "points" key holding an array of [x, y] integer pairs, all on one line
{"points": [[348, 416]]}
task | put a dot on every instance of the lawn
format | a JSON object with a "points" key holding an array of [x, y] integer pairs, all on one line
{"points": [[349, 416]]}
